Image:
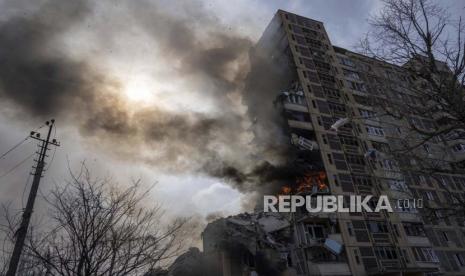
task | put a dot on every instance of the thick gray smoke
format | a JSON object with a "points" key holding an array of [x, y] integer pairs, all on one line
{"points": [[43, 80]]}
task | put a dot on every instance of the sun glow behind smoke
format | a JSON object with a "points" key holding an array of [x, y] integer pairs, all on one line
{"points": [[139, 89], [136, 93]]}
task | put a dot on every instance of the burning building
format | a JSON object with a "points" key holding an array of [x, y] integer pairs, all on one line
{"points": [[307, 94]]}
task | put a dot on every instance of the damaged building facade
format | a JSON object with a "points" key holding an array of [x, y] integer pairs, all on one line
{"points": [[339, 145]]}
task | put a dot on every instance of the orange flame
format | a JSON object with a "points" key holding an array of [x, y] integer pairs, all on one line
{"points": [[285, 190], [306, 183]]}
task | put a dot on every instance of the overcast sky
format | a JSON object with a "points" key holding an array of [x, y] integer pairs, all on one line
{"points": [[124, 42]]}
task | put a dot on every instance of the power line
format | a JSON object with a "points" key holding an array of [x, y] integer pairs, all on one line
{"points": [[19, 144], [17, 165], [14, 147]]}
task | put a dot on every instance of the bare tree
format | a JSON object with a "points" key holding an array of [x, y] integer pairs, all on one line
{"points": [[429, 45], [98, 229]]}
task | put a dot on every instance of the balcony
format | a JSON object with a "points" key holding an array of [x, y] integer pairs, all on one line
{"points": [[333, 98], [352, 149], [364, 189], [374, 121], [358, 169], [392, 268], [321, 241], [405, 216], [303, 143], [376, 138], [346, 130], [330, 268], [389, 265], [339, 113], [381, 237], [395, 192], [418, 241], [428, 266], [388, 173], [296, 107], [359, 93], [300, 124]]}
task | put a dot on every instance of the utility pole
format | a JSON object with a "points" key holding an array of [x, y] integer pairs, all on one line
{"points": [[22, 230]]}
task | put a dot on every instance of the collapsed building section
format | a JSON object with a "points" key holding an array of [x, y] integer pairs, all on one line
{"points": [[275, 244]]}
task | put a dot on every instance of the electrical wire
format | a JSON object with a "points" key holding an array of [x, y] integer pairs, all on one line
{"points": [[14, 147], [17, 165], [19, 144]]}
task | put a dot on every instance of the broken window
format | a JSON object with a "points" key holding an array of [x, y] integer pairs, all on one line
{"points": [[297, 115], [307, 134], [296, 98]]}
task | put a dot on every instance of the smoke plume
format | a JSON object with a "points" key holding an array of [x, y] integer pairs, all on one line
{"points": [[40, 77]]}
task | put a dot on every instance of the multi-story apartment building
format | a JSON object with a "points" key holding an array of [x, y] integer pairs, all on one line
{"points": [[326, 83]]}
